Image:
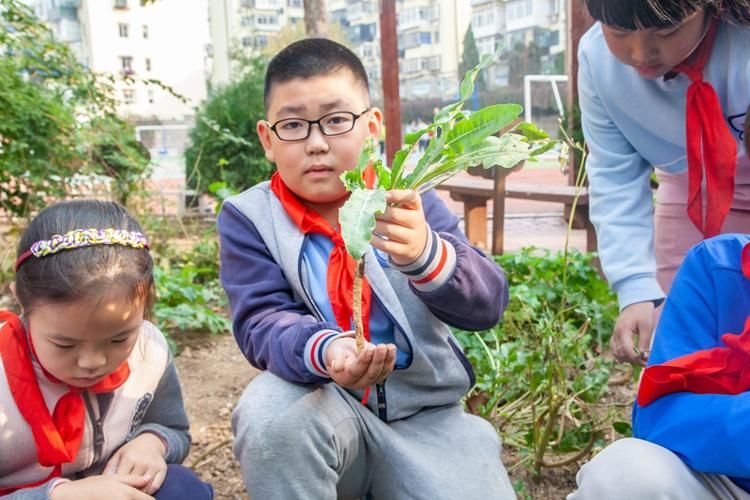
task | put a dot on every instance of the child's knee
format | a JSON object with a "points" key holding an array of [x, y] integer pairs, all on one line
{"points": [[628, 468], [181, 483]]}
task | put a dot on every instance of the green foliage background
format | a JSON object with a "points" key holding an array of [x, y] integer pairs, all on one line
{"points": [[57, 119], [543, 364], [224, 145]]}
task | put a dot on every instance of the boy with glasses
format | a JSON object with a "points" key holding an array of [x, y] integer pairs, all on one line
{"points": [[307, 426]]}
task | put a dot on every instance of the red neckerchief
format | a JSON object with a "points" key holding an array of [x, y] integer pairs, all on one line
{"points": [[340, 277], [719, 370], [709, 144], [57, 437]]}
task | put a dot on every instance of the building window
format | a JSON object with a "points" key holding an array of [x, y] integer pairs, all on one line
{"points": [[129, 96], [145, 31], [294, 3], [148, 64], [123, 30], [267, 21], [518, 9], [247, 41], [121, 4], [126, 63], [261, 41]]}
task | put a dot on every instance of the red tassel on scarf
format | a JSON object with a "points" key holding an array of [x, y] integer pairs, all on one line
{"points": [[709, 143]]}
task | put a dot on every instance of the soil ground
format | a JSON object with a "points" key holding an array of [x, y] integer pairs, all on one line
{"points": [[214, 373]]}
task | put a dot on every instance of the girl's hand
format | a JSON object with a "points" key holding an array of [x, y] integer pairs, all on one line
{"points": [[401, 231], [112, 487], [636, 319], [358, 371], [144, 457]]}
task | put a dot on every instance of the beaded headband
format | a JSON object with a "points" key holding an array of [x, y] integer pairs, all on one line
{"points": [[79, 238]]}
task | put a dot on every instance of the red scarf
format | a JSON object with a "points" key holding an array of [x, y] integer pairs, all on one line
{"points": [[58, 436], [719, 370], [340, 278], [709, 143]]}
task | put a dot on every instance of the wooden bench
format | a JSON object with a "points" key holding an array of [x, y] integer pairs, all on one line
{"points": [[475, 192]]}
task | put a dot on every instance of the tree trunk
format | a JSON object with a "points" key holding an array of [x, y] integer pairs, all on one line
{"points": [[316, 24]]}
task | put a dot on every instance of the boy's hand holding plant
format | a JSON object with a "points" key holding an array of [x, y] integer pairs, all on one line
{"points": [[353, 370], [401, 231], [391, 209]]}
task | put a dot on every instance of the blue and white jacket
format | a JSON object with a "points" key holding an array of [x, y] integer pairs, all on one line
{"points": [[710, 297], [631, 125], [280, 328]]}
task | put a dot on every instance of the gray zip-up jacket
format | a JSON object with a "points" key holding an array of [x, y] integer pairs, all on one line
{"points": [[279, 327], [149, 401]]}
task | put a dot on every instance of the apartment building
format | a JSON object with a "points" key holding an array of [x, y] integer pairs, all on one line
{"points": [[514, 22], [430, 36], [137, 43], [245, 25], [360, 21]]}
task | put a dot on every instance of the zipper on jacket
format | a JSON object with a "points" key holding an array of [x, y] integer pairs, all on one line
{"points": [[317, 311], [97, 423], [382, 404], [97, 427]]}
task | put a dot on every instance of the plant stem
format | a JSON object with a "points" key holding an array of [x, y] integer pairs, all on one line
{"points": [[359, 272]]}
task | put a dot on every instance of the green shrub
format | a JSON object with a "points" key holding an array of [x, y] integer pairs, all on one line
{"points": [[539, 371]]}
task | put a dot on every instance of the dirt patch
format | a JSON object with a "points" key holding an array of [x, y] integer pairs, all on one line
{"points": [[214, 373]]}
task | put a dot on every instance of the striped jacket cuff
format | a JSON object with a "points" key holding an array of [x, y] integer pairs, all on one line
{"points": [[434, 267], [315, 350]]}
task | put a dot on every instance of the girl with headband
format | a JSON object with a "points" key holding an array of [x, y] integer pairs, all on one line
{"points": [[90, 403], [663, 84]]}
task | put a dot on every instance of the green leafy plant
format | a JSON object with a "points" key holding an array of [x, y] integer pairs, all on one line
{"points": [[541, 372], [190, 296], [457, 142]]}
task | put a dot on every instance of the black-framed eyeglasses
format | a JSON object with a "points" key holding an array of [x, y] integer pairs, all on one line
{"points": [[331, 124]]}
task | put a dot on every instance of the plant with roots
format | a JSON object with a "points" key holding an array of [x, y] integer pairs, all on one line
{"points": [[458, 141]]}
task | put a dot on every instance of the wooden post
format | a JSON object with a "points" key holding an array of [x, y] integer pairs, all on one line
{"points": [[475, 220], [498, 210], [579, 21], [389, 70]]}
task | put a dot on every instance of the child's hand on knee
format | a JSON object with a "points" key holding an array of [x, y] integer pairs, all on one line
{"points": [[358, 371], [111, 487], [144, 457], [401, 231]]}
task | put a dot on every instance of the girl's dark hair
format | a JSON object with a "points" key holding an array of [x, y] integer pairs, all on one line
{"points": [[642, 14], [86, 273], [747, 133], [312, 57]]}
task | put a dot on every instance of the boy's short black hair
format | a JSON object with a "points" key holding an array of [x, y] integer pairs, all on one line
{"points": [[312, 57]]}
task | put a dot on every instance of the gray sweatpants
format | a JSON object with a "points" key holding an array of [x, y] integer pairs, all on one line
{"points": [[298, 442], [636, 469]]}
